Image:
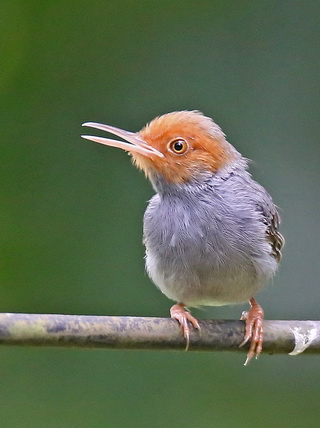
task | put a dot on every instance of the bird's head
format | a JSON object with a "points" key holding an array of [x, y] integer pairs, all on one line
{"points": [[178, 146]]}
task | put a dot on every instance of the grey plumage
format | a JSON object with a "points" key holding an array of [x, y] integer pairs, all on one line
{"points": [[214, 241]]}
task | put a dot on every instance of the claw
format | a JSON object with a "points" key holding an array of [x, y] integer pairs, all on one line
{"points": [[179, 313], [254, 330]]}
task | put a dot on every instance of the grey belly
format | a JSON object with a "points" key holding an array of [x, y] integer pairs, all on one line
{"points": [[206, 279]]}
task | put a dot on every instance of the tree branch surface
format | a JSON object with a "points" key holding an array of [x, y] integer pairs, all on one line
{"points": [[152, 333]]}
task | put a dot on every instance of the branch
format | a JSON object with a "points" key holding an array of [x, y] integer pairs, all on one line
{"points": [[152, 333]]}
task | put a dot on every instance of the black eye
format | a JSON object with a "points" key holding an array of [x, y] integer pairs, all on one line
{"points": [[178, 146]]}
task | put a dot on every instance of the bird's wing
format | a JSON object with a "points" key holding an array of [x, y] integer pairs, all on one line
{"points": [[274, 236], [272, 220]]}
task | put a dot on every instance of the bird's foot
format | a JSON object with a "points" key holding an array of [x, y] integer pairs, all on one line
{"points": [[179, 313], [254, 330]]}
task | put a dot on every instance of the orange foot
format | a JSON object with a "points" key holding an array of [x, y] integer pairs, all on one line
{"points": [[254, 330], [179, 313]]}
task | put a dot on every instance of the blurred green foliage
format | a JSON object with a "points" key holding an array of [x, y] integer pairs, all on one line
{"points": [[71, 211]]}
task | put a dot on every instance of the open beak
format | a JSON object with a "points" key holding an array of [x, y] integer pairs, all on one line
{"points": [[134, 143]]}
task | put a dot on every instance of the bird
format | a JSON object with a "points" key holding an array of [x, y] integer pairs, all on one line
{"points": [[211, 232]]}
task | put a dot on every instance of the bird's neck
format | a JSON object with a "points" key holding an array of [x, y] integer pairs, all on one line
{"points": [[199, 181], [163, 187]]}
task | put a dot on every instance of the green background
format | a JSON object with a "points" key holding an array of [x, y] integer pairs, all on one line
{"points": [[71, 210]]}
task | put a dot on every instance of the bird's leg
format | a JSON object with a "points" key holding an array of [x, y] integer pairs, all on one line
{"points": [[179, 313], [254, 329]]}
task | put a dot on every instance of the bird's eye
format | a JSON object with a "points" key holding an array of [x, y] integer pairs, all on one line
{"points": [[178, 146]]}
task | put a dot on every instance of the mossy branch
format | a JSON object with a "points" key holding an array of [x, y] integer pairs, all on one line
{"points": [[151, 333]]}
